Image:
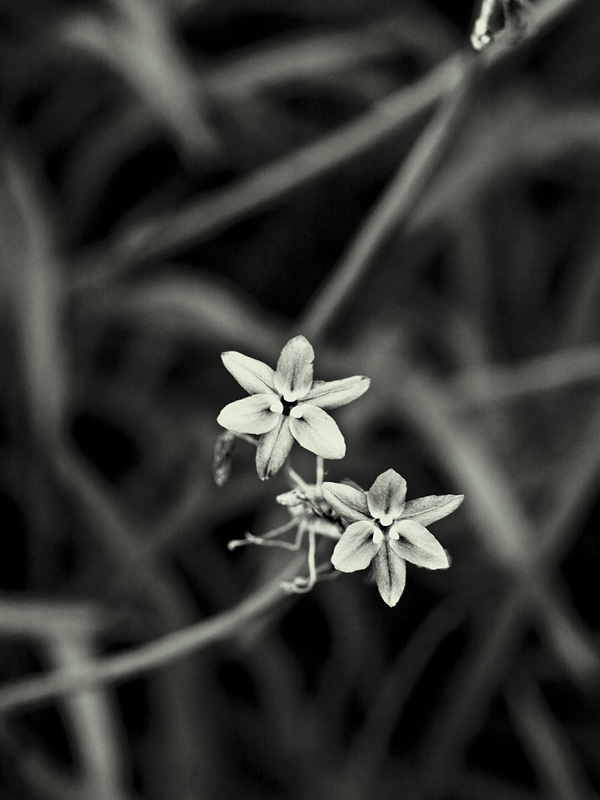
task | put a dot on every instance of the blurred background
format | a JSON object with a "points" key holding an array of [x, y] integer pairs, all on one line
{"points": [[183, 177]]}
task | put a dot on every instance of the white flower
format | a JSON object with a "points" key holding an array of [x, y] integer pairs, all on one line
{"points": [[287, 404], [387, 531]]}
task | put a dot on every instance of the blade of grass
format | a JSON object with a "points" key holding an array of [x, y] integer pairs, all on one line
{"points": [[208, 216], [489, 384], [137, 42], [560, 773], [368, 750], [393, 207], [150, 656], [33, 282]]}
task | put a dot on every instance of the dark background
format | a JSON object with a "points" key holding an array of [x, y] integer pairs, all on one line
{"points": [[135, 248]]}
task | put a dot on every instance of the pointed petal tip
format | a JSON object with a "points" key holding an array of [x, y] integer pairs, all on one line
{"points": [[248, 415], [253, 375], [432, 508], [418, 545], [273, 449], [356, 548], [333, 394], [300, 338], [387, 495], [317, 432], [293, 376], [348, 501]]}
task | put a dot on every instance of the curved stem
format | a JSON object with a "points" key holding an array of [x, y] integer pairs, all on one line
{"points": [[149, 656], [395, 205]]}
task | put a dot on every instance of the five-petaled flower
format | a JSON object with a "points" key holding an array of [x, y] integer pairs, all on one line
{"points": [[387, 531], [287, 404]]}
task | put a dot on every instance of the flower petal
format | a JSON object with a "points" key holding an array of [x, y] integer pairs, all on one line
{"points": [[386, 496], [316, 431], [356, 549], [429, 509], [390, 573], [332, 394], [348, 501], [294, 373], [254, 376], [417, 545], [249, 415], [273, 448]]}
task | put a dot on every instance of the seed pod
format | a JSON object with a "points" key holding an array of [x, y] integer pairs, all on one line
{"points": [[223, 457]]}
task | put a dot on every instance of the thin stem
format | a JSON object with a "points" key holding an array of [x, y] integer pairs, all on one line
{"points": [[247, 438], [320, 472], [209, 215], [302, 585], [150, 656], [250, 539], [495, 384], [369, 748], [394, 207], [559, 770]]}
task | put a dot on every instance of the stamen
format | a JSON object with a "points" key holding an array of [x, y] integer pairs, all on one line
{"points": [[276, 407], [377, 535], [386, 519], [296, 412]]}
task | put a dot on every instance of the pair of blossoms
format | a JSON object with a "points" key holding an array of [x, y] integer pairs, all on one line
{"points": [[377, 527]]}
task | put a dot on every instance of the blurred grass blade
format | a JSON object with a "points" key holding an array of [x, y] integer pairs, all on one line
{"points": [[137, 44], [200, 307], [549, 748], [32, 282]]}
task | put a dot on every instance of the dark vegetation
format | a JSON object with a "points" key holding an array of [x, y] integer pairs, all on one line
{"points": [[166, 193]]}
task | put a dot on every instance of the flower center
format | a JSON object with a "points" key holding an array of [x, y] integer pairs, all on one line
{"points": [[386, 531], [289, 408]]}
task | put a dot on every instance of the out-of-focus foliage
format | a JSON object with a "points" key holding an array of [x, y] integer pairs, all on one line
{"points": [[181, 177]]}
